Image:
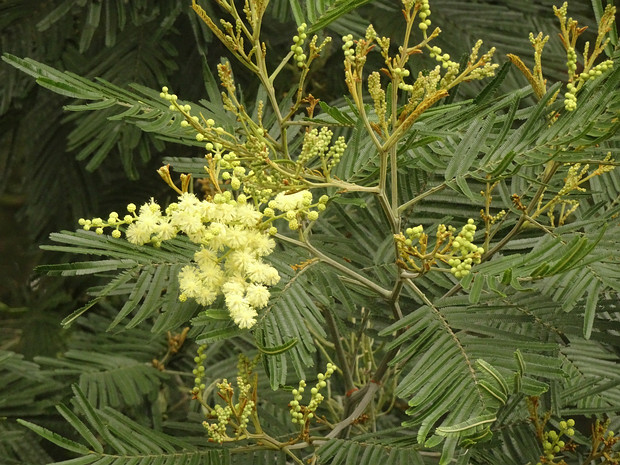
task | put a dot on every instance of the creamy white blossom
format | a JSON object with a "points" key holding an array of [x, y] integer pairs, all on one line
{"points": [[290, 202], [229, 260], [240, 260], [257, 295], [263, 273]]}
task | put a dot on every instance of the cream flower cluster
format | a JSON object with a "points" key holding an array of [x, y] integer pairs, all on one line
{"points": [[229, 260], [295, 207]]}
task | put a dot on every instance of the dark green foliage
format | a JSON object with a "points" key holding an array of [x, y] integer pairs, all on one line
{"points": [[538, 318]]}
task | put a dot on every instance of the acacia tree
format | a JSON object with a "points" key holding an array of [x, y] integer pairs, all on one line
{"points": [[449, 261]]}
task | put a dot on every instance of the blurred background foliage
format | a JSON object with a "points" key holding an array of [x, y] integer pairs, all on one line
{"points": [[57, 166]]}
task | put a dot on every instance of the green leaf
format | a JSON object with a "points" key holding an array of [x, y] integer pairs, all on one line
{"points": [[83, 268], [492, 87], [95, 419], [461, 187], [338, 115], [297, 11], [80, 427], [278, 349], [337, 9], [390, 447], [56, 14], [93, 132], [66, 89], [493, 391], [577, 248], [342, 200], [69, 320], [520, 362], [494, 374], [105, 103], [469, 426], [220, 333], [468, 148], [55, 438], [154, 270], [291, 312], [217, 314], [92, 22], [590, 309]]}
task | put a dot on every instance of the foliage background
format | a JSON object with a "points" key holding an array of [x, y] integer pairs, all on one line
{"points": [[57, 166]]}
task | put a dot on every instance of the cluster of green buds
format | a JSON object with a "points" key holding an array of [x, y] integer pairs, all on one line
{"points": [[240, 406], [357, 56], [301, 414], [424, 85], [401, 73], [205, 128], [456, 250], [294, 207], [254, 179], [598, 70], [463, 243], [570, 97], [378, 96], [554, 444], [298, 43], [245, 405], [485, 68], [452, 68], [317, 145], [437, 54], [229, 161], [426, 88], [113, 221], [576, 176], [425, 12], [217, 430], [347, 47], [605, 442], [571, 61], [570, 31], [573, 179], [199, 372], [150, 209]]}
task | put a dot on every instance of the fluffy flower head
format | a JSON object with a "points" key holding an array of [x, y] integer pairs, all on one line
{"points": [[291, 202], [228, 261]]}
